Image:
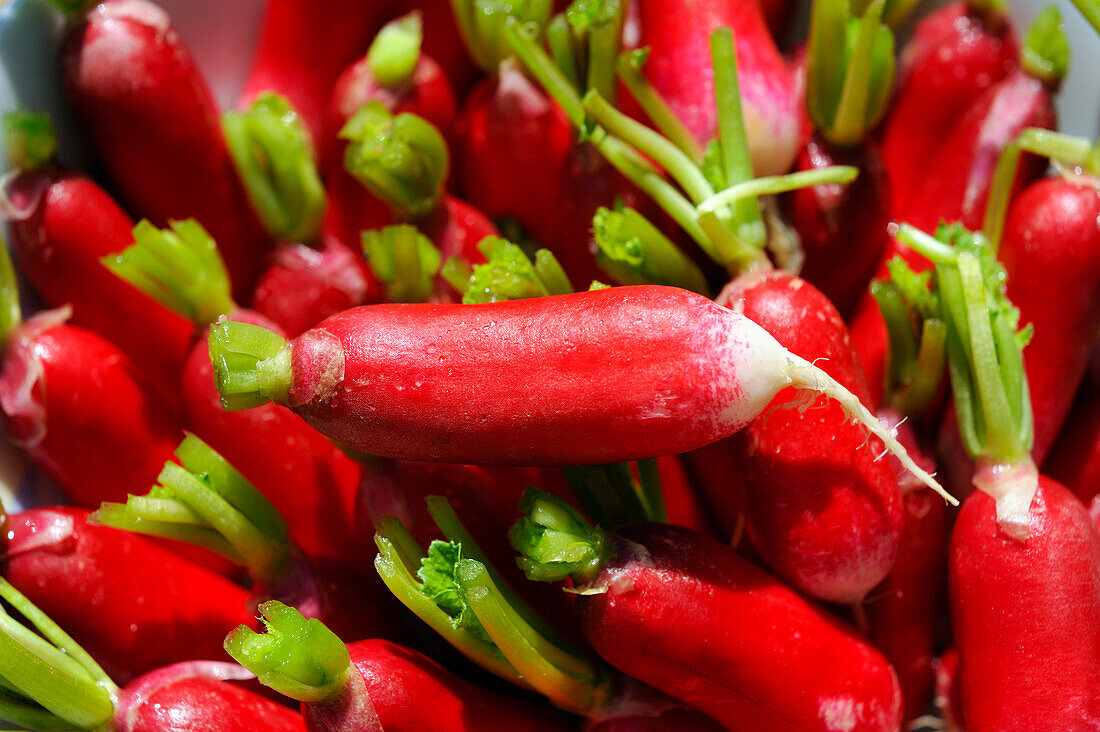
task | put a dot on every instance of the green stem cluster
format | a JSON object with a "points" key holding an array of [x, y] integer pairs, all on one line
{"points": [[507, 274], [251, 365], [179, 267], [635, 252], [11, 314], [456, 591], [555, 541], [206, 502], [30, 140], [47, 681], [483, 23], [273, 154], [584, 42], [1046, 51], [404, 261], [395, 51], [612, 494]]}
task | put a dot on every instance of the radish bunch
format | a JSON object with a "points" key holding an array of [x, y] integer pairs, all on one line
{"points": [[785, 366]]}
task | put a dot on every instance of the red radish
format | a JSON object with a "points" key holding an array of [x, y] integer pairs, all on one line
{"points": [[1074, 459], [77, 404], [306, 477], [512, 139], [670, 721], [373, 684], [953, 57], [948, 701], [207, 503], [53, 683], [677, 610], [65, 224], [708, 372], [679, 67], [134, 605], [138, 94], [822, 508], [1024, 566], [300, 52], [843, 228]]}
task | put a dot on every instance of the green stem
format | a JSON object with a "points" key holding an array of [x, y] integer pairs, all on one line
{"points": [[555, 540], [395, 51], [931, 363], [509, 274], [457, 274], [1064, 148], [1091, 10], [297, 657], [251, 365], [404, 261], [11, 314], [935, 250], [898, 11], [682, 169], [402, 159], [1046, 50], [179, 267], [523, 40], [272, 152], [207, 495], [629, 67], [1000, 191], [826, 55], [562, 45], [483, 23], [51, 682], [770, 185], [29, 139], [635, 252], [854, 113], [736, 161], [571, 682], [603, 22]]}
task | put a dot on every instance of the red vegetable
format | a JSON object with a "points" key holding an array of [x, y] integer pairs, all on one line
{"points": [[679, 67], [677, 610], [301, 51], [1074, 459], [134, 605], [138, 94], [955, 54], [395, 380], [373, 684]]}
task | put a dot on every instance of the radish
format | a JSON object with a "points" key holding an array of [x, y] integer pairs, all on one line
{"points": [[77, 404], [207, 503], [372, 684], [843, 228], [1074, 459], [300, 52], [63, 223], [512, 140], [307, 279], [676, 33], [708, 371], [307, 478], [1025, 560], [134, 605], [138, 94], [52, 683], [676, 609], [955, 54]]}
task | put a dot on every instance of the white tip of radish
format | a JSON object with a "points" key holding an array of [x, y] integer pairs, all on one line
{"points": [[805, 375], [1012, 486]]}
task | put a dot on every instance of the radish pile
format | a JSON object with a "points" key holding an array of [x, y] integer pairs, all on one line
{"points": [[782, 359]]}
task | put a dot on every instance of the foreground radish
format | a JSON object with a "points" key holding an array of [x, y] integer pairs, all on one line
{"points": [[372, 684], [676, 33], [77, 404], [64, 223], [52, 683], [207, 503], [429, 368], [1025, 559], [134, 605], [308, 479], [677, 610], [139, 95]]}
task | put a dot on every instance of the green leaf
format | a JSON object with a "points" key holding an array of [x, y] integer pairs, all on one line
{"points": [[29, 139], [437, 572]]}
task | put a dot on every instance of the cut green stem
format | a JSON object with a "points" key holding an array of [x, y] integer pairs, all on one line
{"points": [[11, 314], [404, 261], [770, 185], [555, 540], [271, 149], [395, 51], [482, 24], [209, 501], [251, 365], [867, 80], [509, 274], [1091, 10], [1045, 54], [179, 267], [635, 252], [29, 139], [629, 68]]}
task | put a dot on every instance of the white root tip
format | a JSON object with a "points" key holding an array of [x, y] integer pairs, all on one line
{"points": [[805, 375], [1013, 487]]}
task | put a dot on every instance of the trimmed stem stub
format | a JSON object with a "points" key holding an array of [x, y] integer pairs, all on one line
{"points": [[635, 252], [395, 51], [482, 24], [179, 267], [298, 657], [555, 540], [404, 261], [252, 365], [29, 139], [1045, 54], [509, 274], [402, 159], [273, 154]]}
